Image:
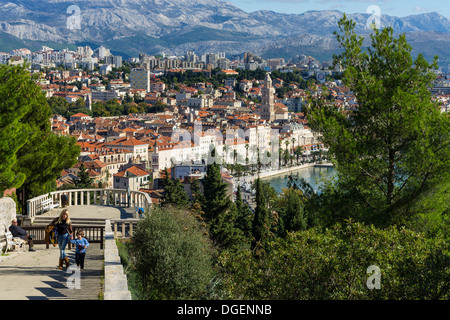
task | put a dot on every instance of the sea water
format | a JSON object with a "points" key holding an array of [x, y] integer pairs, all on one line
{"points": [[312, 175]]}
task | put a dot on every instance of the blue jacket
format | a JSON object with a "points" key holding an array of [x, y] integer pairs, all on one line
{"points": [[79, 244]]}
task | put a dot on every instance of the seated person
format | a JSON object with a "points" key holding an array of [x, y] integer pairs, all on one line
{"points": [[18, 232]]}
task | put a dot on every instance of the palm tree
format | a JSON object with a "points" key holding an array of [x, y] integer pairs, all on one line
{"points": [[298, 152], [286, 156], [292, 146], [246, 154], [286, 152], [225, 153], [268, 157]]}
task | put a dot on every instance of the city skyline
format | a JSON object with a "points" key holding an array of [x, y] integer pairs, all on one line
{"points": [[400, 8]]}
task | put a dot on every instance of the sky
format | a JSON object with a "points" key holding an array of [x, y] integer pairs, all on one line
{"points": [[399, 8]]}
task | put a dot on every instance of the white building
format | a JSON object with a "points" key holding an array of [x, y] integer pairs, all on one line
{"points": [[133, 178], [138, 148], [104, 95]]}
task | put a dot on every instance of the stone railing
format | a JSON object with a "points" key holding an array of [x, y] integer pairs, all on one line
{"points": [[87, 197], [124, 228]]}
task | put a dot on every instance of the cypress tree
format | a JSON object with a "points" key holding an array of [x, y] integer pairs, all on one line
{"points": [[261, 222], [244, 215], [215, 197], [220, 212]]}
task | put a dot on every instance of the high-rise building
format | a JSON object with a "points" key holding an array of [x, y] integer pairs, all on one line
{"points": [[102, 52], [85, 52], [191, 57], [211, 58], [116, 61], [268, 104], [140, 79]]}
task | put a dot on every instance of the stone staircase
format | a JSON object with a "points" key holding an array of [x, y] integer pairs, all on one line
{"points": [[46, 220]]}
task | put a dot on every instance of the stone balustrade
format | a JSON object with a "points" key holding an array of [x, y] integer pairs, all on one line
{"points": [[86, 197], [124, 228]]}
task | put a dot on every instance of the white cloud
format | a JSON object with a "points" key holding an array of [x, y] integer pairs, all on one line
{"points": [[419, 9]]}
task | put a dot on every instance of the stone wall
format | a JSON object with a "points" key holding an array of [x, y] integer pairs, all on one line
{"points": [[7, 214], [116, 285]]}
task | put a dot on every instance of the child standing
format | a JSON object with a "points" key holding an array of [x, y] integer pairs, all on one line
{"points": [[81, 244]]}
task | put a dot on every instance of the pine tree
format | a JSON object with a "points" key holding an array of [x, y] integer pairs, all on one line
{"points": [[174, 193], [394, 148], [84, 181], [18, 93], [31, 156]]}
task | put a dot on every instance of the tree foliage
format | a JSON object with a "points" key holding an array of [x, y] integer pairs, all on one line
{"points": [[171, 256], [84, 181], [394, 147], [174, 193], [34, 156], [333, 265], [18, 93], [221, 214]]}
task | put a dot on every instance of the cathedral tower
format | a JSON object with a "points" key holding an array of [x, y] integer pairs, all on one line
{"points": [[267, 105]]}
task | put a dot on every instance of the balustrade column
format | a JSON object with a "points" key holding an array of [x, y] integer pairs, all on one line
{"points": [[76, 198], [88, 198], [81, 198]]}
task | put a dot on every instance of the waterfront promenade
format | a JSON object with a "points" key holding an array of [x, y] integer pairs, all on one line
{"points": [[266, 173], [245, 181]]}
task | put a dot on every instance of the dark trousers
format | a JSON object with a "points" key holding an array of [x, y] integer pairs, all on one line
{"points": [[29, 238], [79, 259]]}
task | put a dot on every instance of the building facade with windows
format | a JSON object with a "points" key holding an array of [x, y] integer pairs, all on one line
{"points": [[140, 79]]}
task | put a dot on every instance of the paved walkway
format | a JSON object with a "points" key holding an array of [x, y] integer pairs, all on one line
{"points": [[95, 211], [34, 275]]}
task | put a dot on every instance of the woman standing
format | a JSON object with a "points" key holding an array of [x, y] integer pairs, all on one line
{"points": [[63, 228]]}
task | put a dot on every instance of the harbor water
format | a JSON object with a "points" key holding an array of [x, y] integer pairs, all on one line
{"points": [[312, 175]]}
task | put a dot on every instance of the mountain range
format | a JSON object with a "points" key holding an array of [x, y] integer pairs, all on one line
{"points": [[131, 27]]}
